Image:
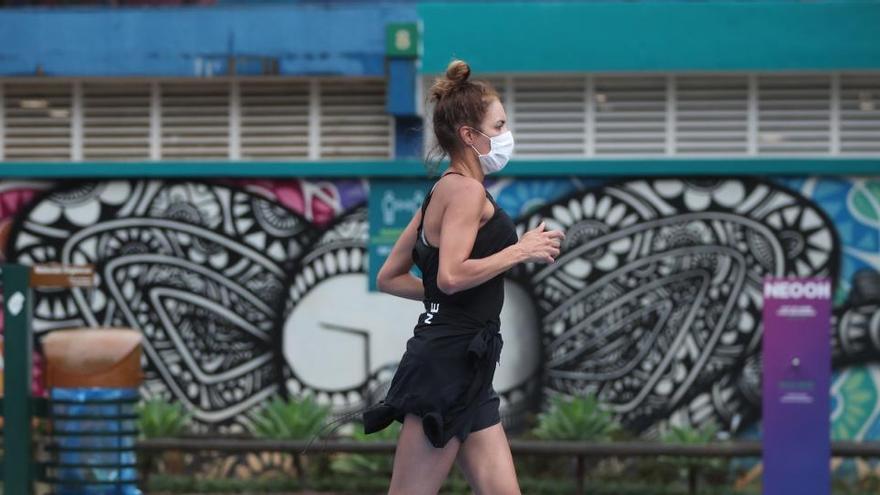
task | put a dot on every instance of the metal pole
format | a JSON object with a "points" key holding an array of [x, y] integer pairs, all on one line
{"points": [[579, 474], [17, 358]]}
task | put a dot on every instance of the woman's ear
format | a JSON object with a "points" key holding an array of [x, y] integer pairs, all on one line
{"points": [[466, 135]]}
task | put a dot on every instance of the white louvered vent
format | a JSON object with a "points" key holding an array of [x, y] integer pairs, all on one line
{"points": [[860, 114], [711, 115], [584, 115], [550, 116], [37, 121], [794, 114], [195, 120], [630, 115], [275, 120], [116, 121], [353, 120]]}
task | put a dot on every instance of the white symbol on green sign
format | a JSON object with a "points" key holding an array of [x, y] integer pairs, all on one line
{"points": [[402, 40], [16, 303]]}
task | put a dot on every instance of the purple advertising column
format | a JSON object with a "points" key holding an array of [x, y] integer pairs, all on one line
{"points": [[796, 386]]}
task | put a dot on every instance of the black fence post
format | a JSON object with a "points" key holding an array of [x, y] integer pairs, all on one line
{"points": [[580, 474]]}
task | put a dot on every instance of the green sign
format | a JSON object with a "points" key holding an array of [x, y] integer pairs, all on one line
{"points": [[392, 204], [18, 345], [402, 40]]}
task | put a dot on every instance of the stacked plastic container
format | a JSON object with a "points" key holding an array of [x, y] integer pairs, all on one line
{"points": [[93, 377]]}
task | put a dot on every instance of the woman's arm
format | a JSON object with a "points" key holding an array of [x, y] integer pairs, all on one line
{"points": [[394, 277], [459, 226]]}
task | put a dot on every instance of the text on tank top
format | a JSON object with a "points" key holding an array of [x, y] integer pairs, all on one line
{"points": [[483, 302]]}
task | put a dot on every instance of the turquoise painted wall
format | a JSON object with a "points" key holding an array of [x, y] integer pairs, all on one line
{"points": [[652, 36], [416, 168]]}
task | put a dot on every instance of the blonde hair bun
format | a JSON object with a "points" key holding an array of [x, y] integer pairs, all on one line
{"points": [[458, 71], [457, 74]]}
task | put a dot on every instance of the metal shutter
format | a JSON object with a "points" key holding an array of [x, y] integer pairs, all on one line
{"points": [[37, 121], [860, 114], [195, 119], [550, 116], [275, 120], [794, 113], [116, 121], [711, 115], [353, 121], [630, 115]]}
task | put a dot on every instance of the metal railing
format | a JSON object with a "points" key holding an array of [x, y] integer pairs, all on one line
{"points": [[580, 451]]}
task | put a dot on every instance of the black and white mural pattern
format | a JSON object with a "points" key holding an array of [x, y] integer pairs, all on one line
{"points": [[656, 297], [654, 305], [198, 268]]}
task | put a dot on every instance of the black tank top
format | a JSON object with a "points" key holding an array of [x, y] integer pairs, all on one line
{"points": [[478, 304]]}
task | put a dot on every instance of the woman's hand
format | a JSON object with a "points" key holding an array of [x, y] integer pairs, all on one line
{"points": [[539, 245]]}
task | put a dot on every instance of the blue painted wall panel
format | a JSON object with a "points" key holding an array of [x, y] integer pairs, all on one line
{"points": [[401, 87], [338, 39]]}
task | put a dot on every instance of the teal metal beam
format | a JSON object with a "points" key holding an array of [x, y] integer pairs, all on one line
{"points": [[497, 37], [17, 408], [415, 168]]}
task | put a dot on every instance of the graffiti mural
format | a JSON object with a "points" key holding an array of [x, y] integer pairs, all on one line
{"points": [[657, 293], [200, 269], [249, 288]]}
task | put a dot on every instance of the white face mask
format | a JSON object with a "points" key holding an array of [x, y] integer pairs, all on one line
{"points": [[501, 147]]}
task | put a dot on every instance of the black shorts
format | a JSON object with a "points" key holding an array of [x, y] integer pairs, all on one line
{"points": [[445, 378], [487, 413]]}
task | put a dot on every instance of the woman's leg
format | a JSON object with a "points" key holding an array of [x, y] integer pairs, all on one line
{"points": [[485, 460], [419, 467]]}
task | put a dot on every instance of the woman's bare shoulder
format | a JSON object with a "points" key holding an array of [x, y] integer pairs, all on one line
{"points": [[454, 187]]}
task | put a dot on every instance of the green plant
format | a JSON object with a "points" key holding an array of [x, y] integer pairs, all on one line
{"points": [[869, 483], [688, 435], [368, 465], [158, 418], [694, 467], [578, 418], [292, 419]]}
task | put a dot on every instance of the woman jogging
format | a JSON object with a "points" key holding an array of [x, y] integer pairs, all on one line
{"points": [[462, 242]]}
